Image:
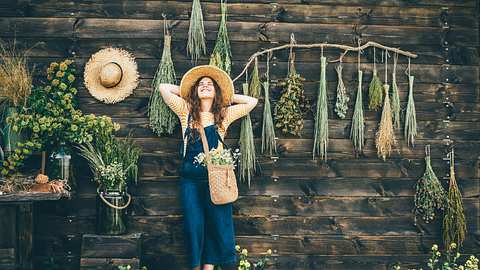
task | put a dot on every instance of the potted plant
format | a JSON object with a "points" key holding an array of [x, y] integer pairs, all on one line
{"points": [[15, 88], [113, 162]]}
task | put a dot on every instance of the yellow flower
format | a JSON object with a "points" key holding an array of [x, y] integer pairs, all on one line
{"points": [[53, 65], [245, 251], [55, 82], [116, 127], [247, 264], [269, 252], [453, 245], [71, 78], [63, 86], [63, 66], [237, 248], [435, 247], [49, 77], [68, 61], [60, 74]]}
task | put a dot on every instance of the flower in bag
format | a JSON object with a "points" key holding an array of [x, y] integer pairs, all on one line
{"points": [[218, 157]]}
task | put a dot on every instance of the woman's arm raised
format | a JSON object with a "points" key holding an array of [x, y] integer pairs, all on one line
{"points": [[171, 95], [244, 105]]}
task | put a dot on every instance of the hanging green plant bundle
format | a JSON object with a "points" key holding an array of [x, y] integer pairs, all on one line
{"points": [[430, 196], [196, 33], [341, 105], [395, 96], [269, 145], [357, 132], [320, 142], [162, 119], [385, 137], [255, 85], [410, 130], [290, 108], [454, 226], [247, 146], [222, 53], [375, 89]]}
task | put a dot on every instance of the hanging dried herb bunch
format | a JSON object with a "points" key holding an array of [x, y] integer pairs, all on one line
{"points": [[269, 145], [395, 96], [341, 105], [385, 137], [290, 108], [375, 89], [357, 132], [247, 146], [222, 53], [320, 141], [430, 196], [196, 33], [255, 85], [454, 224], [410, 130], [162, 119]]}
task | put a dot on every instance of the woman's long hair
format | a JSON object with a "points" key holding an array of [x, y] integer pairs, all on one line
{"points": [[218, 109]]}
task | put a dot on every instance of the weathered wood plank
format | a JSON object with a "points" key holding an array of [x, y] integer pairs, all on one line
{"points": [[36, 27], [259, 12], [106, 246], [291, 225], [156, 166], [260, 205], [272, 31], [315, 186]]}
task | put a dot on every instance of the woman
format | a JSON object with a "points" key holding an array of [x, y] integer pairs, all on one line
{"points": [[203, 100]]}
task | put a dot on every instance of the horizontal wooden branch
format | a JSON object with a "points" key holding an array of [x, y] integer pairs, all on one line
{"points": [[326, 45]]}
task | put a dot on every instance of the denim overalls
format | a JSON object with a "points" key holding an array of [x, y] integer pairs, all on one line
{"points": [[209, 229]]}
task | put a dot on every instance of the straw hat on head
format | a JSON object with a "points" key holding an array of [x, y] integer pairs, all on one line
{"points": [[111, 75], [218, 75]]}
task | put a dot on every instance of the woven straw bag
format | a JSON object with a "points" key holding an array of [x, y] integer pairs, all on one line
{"points": [[221, 178]]}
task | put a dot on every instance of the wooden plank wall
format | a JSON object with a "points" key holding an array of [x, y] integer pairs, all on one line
{"points": [[347, 213]]}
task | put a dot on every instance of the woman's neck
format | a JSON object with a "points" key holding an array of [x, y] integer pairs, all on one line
{"points": [[206, 105]]}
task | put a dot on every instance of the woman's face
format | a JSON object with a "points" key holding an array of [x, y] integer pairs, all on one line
{"points": [[206, 89]]}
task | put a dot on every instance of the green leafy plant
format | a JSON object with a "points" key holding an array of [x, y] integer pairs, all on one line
{"points": [[196, 33], [320, 141], [454, 223], [162, 119], [51, 118], [15, 88], [341, 104], [357, 132], [247, 146], [430, 196], [410, 131], [375, 89], [246, 264], [395, 96], [113, 161], [222, 53], [290, 109], [255, 85], [447, 261], [268, 129]]}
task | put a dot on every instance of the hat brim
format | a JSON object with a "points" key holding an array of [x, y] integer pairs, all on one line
{"points": [[221, 78], [124, 88]]}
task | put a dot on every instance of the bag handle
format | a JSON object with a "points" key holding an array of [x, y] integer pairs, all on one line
{"points": [[204, 142]]}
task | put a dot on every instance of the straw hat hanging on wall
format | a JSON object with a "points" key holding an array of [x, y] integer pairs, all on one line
{"points": [[111, 75]]}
